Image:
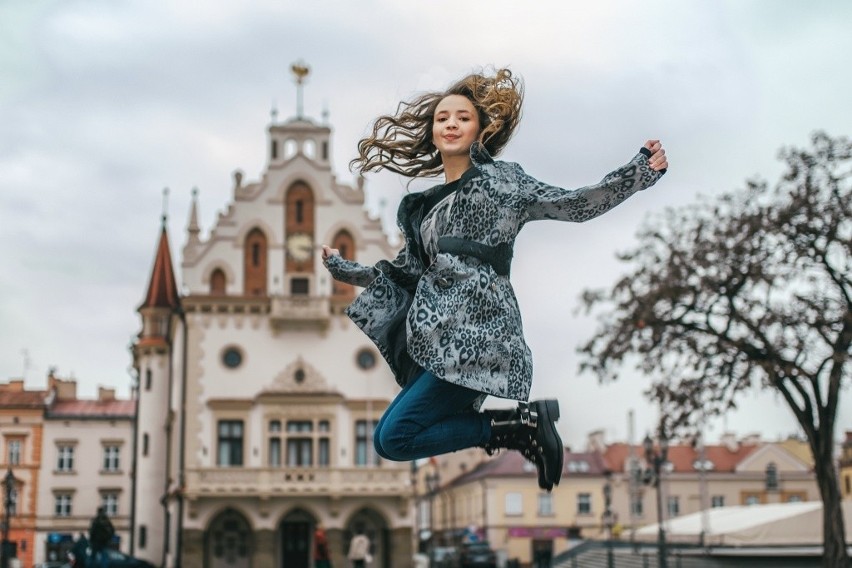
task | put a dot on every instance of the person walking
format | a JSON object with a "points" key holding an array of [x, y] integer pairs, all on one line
{"points": [[101, 532], [359, 550], [322, 556], [443, 313]]}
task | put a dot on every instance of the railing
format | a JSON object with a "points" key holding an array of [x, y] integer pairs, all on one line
{"points": [[298, 480], [295, 311]]}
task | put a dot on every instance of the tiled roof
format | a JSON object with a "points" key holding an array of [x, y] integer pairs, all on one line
{"points": [[92, 409], [22, 399], [510, 463], [683, 457]]}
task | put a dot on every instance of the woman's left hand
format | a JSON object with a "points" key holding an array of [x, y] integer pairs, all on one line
{"points": [[658, 160]]}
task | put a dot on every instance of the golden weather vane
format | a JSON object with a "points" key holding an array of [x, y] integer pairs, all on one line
{"points": [[300, 70]]}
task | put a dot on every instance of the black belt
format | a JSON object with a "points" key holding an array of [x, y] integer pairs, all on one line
{"points": [[499, 257]]}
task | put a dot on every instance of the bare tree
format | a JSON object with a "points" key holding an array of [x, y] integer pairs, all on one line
{"points": [[751, 289]]}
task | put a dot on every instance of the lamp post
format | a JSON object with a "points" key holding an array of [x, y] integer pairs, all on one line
{"points": [[608, 520], [9, 487], [433, 483], [656, 460]]}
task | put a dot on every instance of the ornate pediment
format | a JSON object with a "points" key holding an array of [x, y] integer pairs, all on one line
{"points": [[299, 377]]}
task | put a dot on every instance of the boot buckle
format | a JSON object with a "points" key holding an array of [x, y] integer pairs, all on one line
{"points": [[527, 416]]}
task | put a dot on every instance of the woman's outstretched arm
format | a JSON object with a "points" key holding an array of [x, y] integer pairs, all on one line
{"points": [[545, 201]]}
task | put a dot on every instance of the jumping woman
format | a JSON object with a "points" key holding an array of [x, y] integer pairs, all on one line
{"points": [[443, 312]]}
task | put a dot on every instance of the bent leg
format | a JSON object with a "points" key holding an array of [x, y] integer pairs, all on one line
{"points": [[434, 417]]}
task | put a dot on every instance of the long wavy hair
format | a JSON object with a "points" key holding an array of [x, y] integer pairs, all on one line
{"points": [[402, 142]]}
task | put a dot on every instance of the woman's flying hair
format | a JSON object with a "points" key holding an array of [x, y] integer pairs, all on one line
{"points": [[402, 142]]}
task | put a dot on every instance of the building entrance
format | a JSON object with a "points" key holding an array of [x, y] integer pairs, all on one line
{"points": [[295, 536], [229, 541]]}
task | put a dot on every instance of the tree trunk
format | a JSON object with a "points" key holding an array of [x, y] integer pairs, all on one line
{"points": [[834, 532]]}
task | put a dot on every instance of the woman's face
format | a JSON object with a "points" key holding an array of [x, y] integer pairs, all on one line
{"points": [[455, 127]]}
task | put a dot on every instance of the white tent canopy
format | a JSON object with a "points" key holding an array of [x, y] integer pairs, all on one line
{"points": [[788, 524]]}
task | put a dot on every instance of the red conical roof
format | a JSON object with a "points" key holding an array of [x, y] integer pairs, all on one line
{"points": [[162, 291]]}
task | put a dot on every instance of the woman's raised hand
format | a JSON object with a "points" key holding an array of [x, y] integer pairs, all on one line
{"points": [[658, 160], [327, 251]]}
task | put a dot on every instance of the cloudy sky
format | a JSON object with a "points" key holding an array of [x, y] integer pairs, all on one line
{"points": [[103, 104]]}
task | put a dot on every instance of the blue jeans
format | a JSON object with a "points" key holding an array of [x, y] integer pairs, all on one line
{"points": [[430, 417]]}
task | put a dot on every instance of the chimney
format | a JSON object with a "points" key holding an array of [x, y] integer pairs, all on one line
{"points": [[14, 385], [596, 441], [729, 440], [751, 439], [65, 389], [105, 394]]}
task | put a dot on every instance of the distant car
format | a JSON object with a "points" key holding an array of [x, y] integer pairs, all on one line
{"points": [[478, 555], [444, 557]]}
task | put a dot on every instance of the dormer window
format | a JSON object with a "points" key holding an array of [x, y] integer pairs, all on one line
{"points": [[772, 477], [705, 465]]}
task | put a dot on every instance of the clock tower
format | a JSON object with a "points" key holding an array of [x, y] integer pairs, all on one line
{"points": [[274, 392]]}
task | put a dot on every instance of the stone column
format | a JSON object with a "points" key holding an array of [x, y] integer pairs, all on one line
{"points": [[401, 553], [264, 549], [193, 549]]}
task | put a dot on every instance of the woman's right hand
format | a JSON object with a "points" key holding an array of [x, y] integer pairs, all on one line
{"points": [[327, 251]]}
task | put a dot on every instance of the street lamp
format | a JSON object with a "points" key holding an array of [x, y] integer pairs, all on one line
{"points": [[5, 547], [433, 483], [656, 461], [608, 519]]}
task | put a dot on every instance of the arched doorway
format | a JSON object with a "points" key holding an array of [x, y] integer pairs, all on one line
{"points": [[228, 541], [295, 538], [374, 526]]}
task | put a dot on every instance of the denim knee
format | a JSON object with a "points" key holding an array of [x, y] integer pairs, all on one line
{"points": [[377, 445], [395, 443]]}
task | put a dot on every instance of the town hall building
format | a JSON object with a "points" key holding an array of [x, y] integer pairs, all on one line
{"points": [[257, 396]]}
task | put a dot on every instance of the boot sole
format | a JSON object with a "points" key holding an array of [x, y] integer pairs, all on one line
{"points": [[548, 414]]}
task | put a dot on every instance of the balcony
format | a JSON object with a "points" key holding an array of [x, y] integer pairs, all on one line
{"points": [[300, 312], [302, 481]]}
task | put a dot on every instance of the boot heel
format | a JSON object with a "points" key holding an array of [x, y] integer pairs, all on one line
{"points": [[552, 406]]}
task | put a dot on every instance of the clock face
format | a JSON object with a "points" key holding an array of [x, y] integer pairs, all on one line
{"points": [[300, 246]]}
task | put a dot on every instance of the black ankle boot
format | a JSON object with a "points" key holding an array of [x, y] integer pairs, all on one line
{"points": [[530, 430]]}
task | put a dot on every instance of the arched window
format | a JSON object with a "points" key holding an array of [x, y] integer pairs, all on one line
{"points": [[229, 541], [255, 263], [343, 242], [217, 282]]}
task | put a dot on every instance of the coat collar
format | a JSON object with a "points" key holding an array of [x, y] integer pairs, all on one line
{"points": [[479, 155]]}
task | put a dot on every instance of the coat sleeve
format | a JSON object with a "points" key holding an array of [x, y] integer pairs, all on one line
{"points": [[350, 272], [543, 201]]}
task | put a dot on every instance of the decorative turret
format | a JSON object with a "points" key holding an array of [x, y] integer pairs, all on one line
{"points": [[158, 346], [162, 299]]}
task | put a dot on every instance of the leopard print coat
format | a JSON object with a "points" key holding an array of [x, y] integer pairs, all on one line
{"points": [[456, 317]]}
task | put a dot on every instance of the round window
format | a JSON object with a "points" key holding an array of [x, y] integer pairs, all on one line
{"points": [[232, 357], [366, 359], [299, 376]]}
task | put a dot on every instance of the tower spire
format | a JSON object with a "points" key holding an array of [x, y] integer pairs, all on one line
{"points": [[162, 288], [165, 205], [193, 228], [300, 70]]}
